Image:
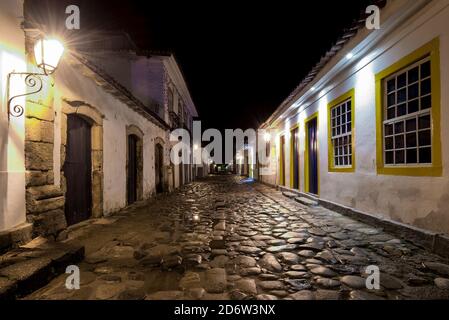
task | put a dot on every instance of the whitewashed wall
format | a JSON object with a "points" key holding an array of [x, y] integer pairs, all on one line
{"points": [[72, 85], [12, 134], [418, 201]]}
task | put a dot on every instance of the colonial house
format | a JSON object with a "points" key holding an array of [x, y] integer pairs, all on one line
{"points": [[156, 79], [81, 138], [365, 130]]}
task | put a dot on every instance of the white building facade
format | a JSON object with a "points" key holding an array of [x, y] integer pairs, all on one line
{"points": [[93, 140], [368, 130]]}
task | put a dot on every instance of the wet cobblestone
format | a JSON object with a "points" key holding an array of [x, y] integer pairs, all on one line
{"points": [[222, 239]]}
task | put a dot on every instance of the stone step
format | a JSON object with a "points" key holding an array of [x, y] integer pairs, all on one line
{"points": [[306, 201], [289, 194], [26, 269]]}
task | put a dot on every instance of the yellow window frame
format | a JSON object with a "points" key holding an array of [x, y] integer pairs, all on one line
{"points": [[432, 51], [292, 176], [350, 95], [306, 153]]}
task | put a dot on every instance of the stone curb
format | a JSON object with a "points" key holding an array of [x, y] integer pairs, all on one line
{"points": [[435, 242], [20, 277]]}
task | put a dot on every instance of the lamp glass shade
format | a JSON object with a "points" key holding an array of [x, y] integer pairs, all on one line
{"points": [[47, 53]]}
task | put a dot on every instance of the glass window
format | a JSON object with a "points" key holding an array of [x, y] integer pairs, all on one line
{"points": [[341, 128], [407, 118]]}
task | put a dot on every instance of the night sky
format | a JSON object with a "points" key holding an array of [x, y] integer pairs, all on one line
{"points": [[240, 60]]}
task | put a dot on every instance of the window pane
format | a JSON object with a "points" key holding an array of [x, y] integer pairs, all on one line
{"points": [[413, 75], [402, 110], [400, 157], [391, 99], [425, 70], [391, 85], [411, 140], [424, 122], [426, 102], [391, 113], [389, 143], [402, 80], [413, 91], [412, 156], [389, 129], [402, 95], [399, 127], [399, 142], [425, 155], [425, 87], [411, 125], [424, 138], [389, 157], [348, 117], [413, 106]]}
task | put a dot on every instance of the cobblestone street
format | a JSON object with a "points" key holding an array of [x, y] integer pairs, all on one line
{"points": [[221, 238]]}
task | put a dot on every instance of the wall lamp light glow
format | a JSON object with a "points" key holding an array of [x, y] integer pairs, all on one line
{"points": [[267, 136], [47, 54]]}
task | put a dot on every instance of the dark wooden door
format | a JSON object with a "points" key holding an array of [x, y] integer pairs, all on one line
{"points": [[181, 173], [158, 166], [132, 169], [313, 155], [78, 170], [282, 160], [295, 156]]}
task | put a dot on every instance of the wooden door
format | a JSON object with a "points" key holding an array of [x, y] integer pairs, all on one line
{"points": [[313, 155], [132, 169], [295, 158], [282, 162], [78, 170], [158, 166]]}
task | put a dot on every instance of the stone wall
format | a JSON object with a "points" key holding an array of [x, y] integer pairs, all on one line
{"points": [[44, 200]]}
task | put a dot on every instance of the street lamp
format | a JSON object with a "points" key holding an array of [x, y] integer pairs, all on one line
{"points": [[47, 54]]}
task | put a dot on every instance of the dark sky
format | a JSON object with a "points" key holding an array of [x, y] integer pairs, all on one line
{"points": [[241, 59]]}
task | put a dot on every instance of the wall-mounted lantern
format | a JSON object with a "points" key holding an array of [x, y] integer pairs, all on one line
{"points": [[47, 54]]}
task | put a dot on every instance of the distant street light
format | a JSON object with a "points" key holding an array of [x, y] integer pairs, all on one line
{"points": [[267, 137]]}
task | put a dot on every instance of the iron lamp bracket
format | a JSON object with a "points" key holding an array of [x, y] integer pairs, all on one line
{"points": [[33, 81]]}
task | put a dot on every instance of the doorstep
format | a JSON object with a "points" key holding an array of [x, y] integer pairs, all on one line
{"points": [[15, 237], [28, 268]]}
